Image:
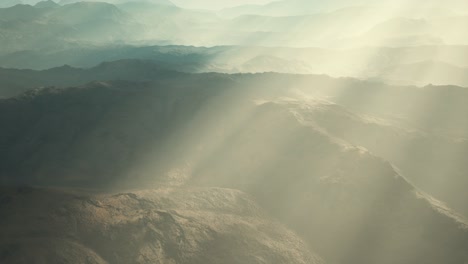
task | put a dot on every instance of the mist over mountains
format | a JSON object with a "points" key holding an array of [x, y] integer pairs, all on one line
{"points": [[416, 48], [157, 22], [303, 7], [425, 65], [287, 131], [51, 3]]}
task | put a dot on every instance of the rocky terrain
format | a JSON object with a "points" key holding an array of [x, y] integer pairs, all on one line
{"points": [[289, 152], [166, 225]]}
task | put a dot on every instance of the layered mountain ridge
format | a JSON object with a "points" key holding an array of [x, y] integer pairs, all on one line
{"points": [[161, 22], [437, 65]]}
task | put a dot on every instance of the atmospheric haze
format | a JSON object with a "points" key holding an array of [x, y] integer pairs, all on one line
{"points": [[241, 132]]}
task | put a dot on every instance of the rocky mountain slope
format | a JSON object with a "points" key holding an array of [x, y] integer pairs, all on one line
{"points": [[295, 156], [167, 225]]}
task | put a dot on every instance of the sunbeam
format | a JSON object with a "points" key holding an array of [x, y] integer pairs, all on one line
{"points": [[240, 132]]}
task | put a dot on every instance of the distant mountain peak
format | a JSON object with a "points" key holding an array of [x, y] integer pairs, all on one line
{"points": [[46, 4], [115, 2]]}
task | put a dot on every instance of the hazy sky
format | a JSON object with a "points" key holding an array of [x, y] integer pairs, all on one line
{"points": [[216, 4]]}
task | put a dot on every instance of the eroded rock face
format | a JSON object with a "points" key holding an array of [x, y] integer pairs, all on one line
{"points": [[159, 226]]}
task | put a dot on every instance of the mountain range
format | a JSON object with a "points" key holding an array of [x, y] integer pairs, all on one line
{"points": [[287, 132], [304, 7], [438, 65], [151, 22], [22, 25], [399, 108], [49, 3], [213, 130]]}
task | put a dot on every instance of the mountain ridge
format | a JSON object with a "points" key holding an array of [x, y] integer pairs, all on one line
{"points": [[207, 131]]}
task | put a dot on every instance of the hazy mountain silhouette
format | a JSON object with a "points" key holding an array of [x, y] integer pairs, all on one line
{"points": [[409, 65], [158, 2], [14, 82], [304, 7], [52, 3], [26, 27], [425, 72], [46, 4], [287, 8], [156, 22]]}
